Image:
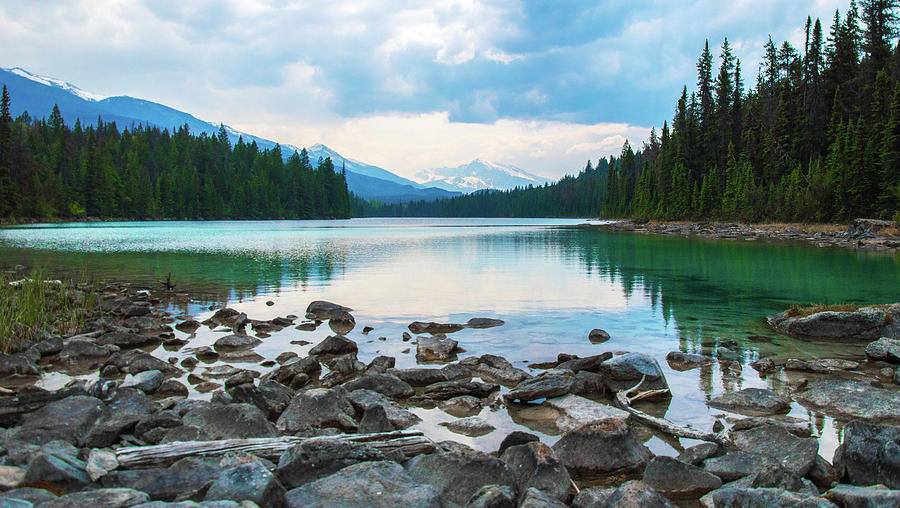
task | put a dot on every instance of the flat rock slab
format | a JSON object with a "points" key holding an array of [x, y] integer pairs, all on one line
{"points": [[849, 495], [761, 498], [434, 328], [678, 480], [483, 323], [555, 383], [796, 454], [236, 341], [576, 411], [378, 484], [472, 426], [851, 400], [752, 402]]}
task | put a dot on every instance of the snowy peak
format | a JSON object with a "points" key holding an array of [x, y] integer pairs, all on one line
{"points": [[479, 174], [56, 83]]}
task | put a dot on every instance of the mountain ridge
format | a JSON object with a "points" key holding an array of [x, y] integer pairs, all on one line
{"points": [[479, 174]]}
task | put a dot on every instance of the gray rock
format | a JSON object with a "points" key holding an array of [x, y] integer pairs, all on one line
{"points": [[849, 496], [99, 463], [137, 361], [236, 341], [695, 455], [436, 348], [172, 388], [760, 498], [886, 349], [26, 494], [576, 411], [188, 326], [147, 381], [18, 364], [516, 438], [421, 376], [247, 482], [632, 493], [823, 475], [386, 384], [318, 408], [686, 361], [127, 407], [67, 420], [312, 460], [322, 310], [462, 406], [57, 464], [270, 397], [434, 328], [285, 374], [820, 366], [151, 428], [459, 473], [752, 402], [866, 323], [334, 345], [124, 339], [375, 420], [84, 354], [186, 479], [602, 447], [796, 454], [496, 369], [449, 389], [535, 498], [869, 455], [735, 465], [848, 400], [493, 496], [11, 477], [796, 426], [588, 363], [598, 336], [106, 498], [363, 400], [623, 372], [483, 323], [232, 421], [378, 484], [341, 322], [535, 465], [381, 363], [678, 480], [472, 426], [555, 383]]}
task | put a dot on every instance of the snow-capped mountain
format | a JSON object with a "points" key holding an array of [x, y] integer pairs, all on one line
{"points": [[479, 174], [56, 83]]}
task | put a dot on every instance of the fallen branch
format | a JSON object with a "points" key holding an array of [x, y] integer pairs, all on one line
{"points": [[411, 443], [624, 399]]}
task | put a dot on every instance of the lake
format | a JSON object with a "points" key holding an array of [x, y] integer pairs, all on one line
{"points": [[550, 281]]}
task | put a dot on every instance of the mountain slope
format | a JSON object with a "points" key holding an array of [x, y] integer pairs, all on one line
{"points": [[479, 174], [37, 95]]}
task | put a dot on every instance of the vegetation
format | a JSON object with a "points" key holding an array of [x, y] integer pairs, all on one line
{"points": [[816, 139], [31, 308], [49, 170]]}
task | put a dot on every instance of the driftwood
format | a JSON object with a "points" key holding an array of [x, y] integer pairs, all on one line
{"points": [[625, 398], [410, 443], [168, 283]]}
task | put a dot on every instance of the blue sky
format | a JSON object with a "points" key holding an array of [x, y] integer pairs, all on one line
{"points": [[406, 85]]}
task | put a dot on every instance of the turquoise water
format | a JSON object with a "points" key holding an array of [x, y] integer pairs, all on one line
{"points": [[550, 281]]}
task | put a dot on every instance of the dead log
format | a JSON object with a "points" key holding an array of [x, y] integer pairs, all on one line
{"points": [[624, 399], [411, 443]]}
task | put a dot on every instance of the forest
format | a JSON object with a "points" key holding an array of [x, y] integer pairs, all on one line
{"points": [[49, 170], [815, 139]]}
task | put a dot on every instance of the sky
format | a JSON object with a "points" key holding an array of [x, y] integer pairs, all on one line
{"points": [[406, 85]]}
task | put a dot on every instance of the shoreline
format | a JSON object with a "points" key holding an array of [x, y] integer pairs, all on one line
{"points": [[330, 392]]}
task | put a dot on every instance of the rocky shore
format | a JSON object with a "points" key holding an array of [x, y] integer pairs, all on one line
{"points": [[865, 234], [327, 429]]}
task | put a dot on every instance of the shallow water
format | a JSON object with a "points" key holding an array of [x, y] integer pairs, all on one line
{"points": [[552, 283]]}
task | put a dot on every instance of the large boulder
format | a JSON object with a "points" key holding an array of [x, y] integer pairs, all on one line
{"points": [[334, 345], [57, 466], [435, 348], [625, 371], [865, 323], [365, 400], [752, 402], [450, 389], [312, 460], [250, 481], [127, 407], [270, 396], [600, 448], [797, 455], [459, 473], [677, 480], [555, 383], [850, 400], [318, 408], [231, 421], [386, 384], [746, 497], [186, 479], [632, 493], [869, 455], [850, 496], [68, 420], [535, 465], [886, 349], [378, 484], [321, 310], [575, 411]]}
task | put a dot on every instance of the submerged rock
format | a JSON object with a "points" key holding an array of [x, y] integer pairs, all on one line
{"points": [[483, 323], [686, 361]]}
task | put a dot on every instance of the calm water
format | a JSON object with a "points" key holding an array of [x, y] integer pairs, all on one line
{"points": [[552, 283]]}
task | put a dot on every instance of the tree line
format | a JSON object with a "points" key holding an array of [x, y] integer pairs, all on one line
{"points": [[817, 138], [49, 170]]}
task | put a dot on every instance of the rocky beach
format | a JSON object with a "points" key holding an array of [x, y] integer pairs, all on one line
{"points": [[107, 417]]}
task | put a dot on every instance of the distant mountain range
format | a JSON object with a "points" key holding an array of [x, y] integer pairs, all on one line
{"points": [[478, 175], [37, 95]]}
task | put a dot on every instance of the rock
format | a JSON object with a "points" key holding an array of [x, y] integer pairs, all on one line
{"points": [[576, 411], [483, 323], [625, 371], [437, 348], [126, 408], [188, 326], [322, 310], [153, 427], [472, 426], [462, 406], [449, 389], [602, 447], [433, 328], [18, 364], [11, 477], [760, 498], [343, 368], [312, 460], [553, 383], [206, 354], [850, 496], [26, 494], [147, 381], [270, 396], [285, 357], [535, 465], [341, 322], [588, 363], [232, 421], [516, 438], [459, 473], [57, 465], [386, 384], [172, 388], [820, 366], [124, 339], [686, 361], [106, 498], [797, 455], [535, 498], [381, 364], [99, 463], [869, 455], [229, 318], [632, 493], [495, 369], [309, 367], [493, 496], [334, 345], [764, 366], [186, 479], [752, 402], [886, 349], [823, 475], [138, 361], [318, 408], [849, 400], [423, 376], [796, 426], [68, 420], [84, 354], [735, 465], [375, 420], [598, 336], [241, 377], [695, 455], [247, 482], [377, 484], [678, 480], [236, 341], [363, 400], [866, 323]]}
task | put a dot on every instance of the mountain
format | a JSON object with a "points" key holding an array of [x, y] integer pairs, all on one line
{"points": [[479, 174], [37, 94]]}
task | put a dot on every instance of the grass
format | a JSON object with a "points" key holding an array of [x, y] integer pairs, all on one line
{"points": [[32, 307]]}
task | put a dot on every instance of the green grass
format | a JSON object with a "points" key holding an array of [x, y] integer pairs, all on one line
{"points": [[33, 308]]}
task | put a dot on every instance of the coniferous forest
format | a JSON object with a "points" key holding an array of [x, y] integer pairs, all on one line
{"points": [[51, 170], [815, 138]]}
